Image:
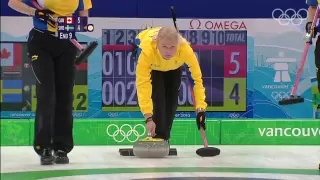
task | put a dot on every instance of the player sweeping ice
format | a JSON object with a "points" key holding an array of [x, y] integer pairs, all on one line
{"points": [[160, 55]]}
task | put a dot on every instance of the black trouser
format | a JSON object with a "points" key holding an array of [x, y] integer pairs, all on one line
{"points": [[165, 92], [317, 61], [54, 69]]}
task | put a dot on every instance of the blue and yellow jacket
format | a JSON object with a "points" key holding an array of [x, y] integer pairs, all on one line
{"points": [[60, 8], [150, 59]]}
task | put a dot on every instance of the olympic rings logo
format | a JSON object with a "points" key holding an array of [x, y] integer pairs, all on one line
{"points": [[119, 134], [234, 115], [280, 95], [112, 115], [290, 16]]}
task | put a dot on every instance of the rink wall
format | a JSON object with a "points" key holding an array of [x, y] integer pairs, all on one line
{"points": [[184, 132], [242, 95]]}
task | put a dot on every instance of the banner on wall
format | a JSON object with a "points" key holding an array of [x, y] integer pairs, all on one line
{"points": [[247, 66]]}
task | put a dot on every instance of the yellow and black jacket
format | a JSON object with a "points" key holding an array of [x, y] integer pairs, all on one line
{"points": [[148, 59]]}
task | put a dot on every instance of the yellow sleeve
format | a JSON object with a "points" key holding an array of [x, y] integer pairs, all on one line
{"points": [[143, 83], [195, 77]]}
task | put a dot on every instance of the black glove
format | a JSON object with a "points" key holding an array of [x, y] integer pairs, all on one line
{"points": [[309, 30], [201, 120], [46, 16]]}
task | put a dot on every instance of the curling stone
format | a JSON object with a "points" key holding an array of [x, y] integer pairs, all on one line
{"points": [[151, 148]]}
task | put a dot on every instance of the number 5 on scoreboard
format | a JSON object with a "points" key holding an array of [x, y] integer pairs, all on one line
{"points": [[235, 62], [235, 93]]}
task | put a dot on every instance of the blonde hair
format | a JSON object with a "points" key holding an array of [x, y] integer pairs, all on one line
{"points": [[170, 34]]}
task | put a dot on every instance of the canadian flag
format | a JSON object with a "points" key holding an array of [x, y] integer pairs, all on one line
{"points": [[6, 54], [69, 20]]}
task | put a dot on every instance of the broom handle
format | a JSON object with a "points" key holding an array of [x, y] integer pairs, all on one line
{"points": [[305, 53], [203, 133]]}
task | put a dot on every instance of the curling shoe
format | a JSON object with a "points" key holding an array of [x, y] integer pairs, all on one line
{"points": [[61, 157], [46, 157]]}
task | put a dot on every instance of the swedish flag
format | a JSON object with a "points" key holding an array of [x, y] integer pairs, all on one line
{"points": [[69, 28], [11, 91]]}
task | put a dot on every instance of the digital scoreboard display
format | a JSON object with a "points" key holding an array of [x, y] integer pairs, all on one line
{"points": [[18, 84], [68, 26], [222, 56]]}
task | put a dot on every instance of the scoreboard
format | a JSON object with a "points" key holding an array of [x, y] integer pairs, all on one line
{"points": [[17, 83], [68, 26], [222, 56]]}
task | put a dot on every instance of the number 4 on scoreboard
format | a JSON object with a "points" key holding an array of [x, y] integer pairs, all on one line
{"points": [[235, 94]]}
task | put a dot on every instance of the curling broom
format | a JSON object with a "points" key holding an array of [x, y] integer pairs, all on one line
{"points": [[206, 151], [293, 99]]}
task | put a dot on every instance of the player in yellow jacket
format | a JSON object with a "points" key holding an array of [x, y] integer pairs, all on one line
{"points": [[161, 54], [52, 61]]}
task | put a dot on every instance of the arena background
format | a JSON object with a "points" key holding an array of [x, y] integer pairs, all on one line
{"points": [[105, 102]]}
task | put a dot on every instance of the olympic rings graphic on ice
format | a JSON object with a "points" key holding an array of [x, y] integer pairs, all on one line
{"points": [[125, 135], [280, 95], [290, 16]]}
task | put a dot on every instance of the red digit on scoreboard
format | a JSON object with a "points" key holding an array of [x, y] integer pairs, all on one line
{"points": [[235, 61]]}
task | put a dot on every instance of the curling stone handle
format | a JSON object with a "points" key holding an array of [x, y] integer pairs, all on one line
{"points": [[204, 137]]}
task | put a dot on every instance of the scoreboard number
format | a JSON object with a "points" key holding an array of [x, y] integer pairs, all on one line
{"points": [[235, 93], [235, 61], [119, 86], [80, 98], [222, 56]]}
